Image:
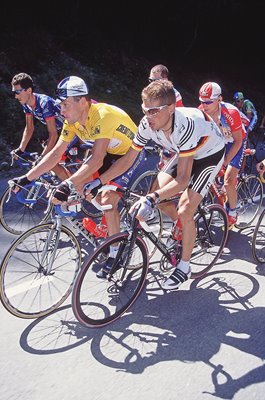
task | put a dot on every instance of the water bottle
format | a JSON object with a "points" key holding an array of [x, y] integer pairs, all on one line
{"points": [[96, 230], [177, 231]]}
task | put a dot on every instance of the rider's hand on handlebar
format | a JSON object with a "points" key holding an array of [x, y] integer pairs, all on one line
{"points": [[145, 207], [17, 183], [92, 187], [61, 193], [16, 153]]}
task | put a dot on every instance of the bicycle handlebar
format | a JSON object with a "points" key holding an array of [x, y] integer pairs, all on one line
{"points": [[115, 188], [107, 206]]}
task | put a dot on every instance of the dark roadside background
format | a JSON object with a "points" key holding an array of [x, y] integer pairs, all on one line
{"points": [[113, 50]]}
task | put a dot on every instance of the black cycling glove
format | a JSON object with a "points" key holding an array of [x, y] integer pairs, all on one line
{"points": [[62, 191], [20, 181], [17, 152], [93, 187]]}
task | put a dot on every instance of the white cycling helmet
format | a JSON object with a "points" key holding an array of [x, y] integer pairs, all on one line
{"points": [[71, 86], [210, 91]]}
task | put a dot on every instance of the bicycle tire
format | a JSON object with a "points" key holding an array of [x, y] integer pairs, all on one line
{"points": [[212, 231], [17, 218], [98, 302], [26, 290], [250, 197], [258, 240]]}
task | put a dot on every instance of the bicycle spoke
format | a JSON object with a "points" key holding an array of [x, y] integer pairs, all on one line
{"points": [[212, 229], [97, 301], [250, 196], [36, 276]]}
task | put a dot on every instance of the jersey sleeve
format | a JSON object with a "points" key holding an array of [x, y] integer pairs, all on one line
{"points": [[47, 106], [142, 136]]}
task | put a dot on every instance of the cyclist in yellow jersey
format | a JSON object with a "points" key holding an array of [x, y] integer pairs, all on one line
{"points": [[103, 121], [112, 131]]}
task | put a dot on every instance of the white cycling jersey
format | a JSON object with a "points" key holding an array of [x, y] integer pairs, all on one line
{"points": [[194, 133]]}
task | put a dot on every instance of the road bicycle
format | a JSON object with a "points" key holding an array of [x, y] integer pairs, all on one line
{"points": [[28, 208], [38, 270], [25, 209], [258, 239], [250, 196], [98, 302]]}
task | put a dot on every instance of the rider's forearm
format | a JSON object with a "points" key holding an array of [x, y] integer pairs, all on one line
{"points": [[85, 172], [45, 165], [53, 137], [171, 189], [27, 135]]}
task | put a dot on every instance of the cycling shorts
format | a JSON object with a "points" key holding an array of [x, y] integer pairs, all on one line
{"points": [[236, 162], [203, 171], [139, 166]]}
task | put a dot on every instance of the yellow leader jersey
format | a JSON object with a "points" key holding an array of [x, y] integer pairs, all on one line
{"points": [[104, 121]]}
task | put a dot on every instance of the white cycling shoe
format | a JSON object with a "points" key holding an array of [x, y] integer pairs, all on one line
{"points": [[175, 280]]}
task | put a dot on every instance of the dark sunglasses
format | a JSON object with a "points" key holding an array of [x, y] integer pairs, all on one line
{"points": [[153, 79], [18, 91], [207, 102]]}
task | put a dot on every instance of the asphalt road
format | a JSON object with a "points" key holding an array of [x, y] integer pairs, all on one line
{"points": [[204, 341]]}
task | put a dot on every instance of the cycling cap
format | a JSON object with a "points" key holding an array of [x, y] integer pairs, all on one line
{"points": [[238, 96], [209, 91], [70, 86]]}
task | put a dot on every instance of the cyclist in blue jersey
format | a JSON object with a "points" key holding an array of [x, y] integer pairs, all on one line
{"points": [[43, 108]]}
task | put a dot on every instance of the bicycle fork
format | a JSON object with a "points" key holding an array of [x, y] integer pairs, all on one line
{"points": [[50, 248]]}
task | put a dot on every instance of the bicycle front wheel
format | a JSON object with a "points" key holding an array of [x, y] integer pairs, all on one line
{"points": [[17, 217], [250, 196], [212, 231], [38, 271], [97, 302], [142, 185], [258, 240]]}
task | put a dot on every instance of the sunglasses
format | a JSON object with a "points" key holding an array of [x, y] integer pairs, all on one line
{"points": [[207, 102], [153, 79], [151, 111], [18, 91], [238, 101]]}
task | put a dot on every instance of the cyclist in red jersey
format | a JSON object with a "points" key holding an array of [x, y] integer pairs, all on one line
{"points": [[228, 118]]}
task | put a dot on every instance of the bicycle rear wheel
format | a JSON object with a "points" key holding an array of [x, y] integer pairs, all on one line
{"points": [[17, 217], [258, 240], [212, 231], [27, 288], [250, 196], [97, 302]]}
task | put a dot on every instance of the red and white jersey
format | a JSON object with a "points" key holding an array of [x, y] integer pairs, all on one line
{"points": [[230, 121], [245, 119], [179, 102], [194, 133]]}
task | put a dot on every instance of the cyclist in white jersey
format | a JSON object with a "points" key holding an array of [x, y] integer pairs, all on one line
{"points": [[198, 145]]}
